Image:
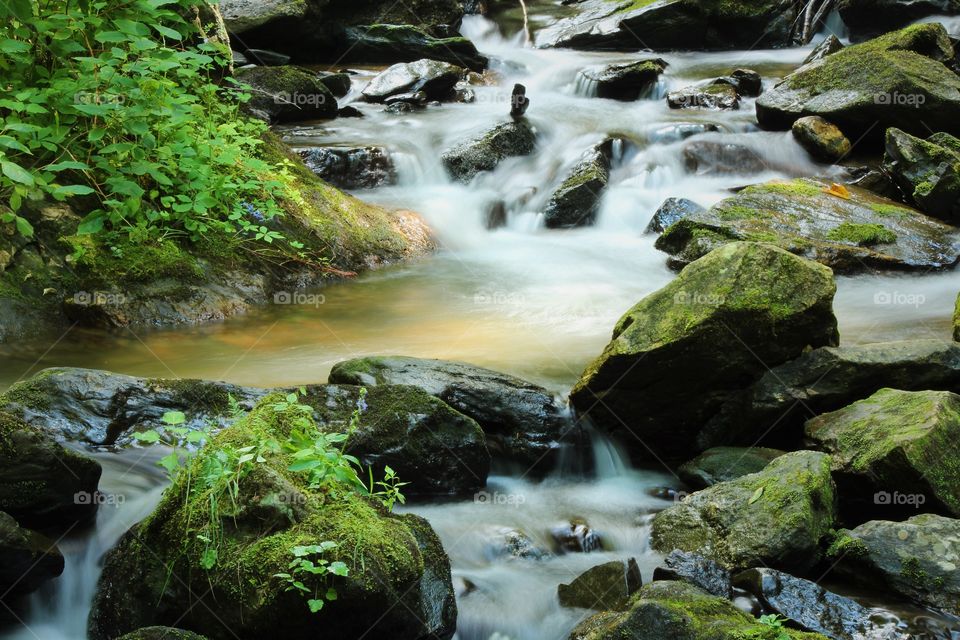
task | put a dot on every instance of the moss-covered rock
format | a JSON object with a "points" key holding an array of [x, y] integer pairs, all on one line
{"points": [[680, 611], [893, 442], [161, 633], [820, 138], [399, 577], [626, 81], [896, 80], [484, 152], [956, 320], [776, 517], [606, 586], [928, 171], [848, 233], [720, 464], [679, 353], [27, 559], [286, 94], [576, 201]]}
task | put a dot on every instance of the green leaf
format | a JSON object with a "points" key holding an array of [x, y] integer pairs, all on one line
{"points": [[149, 437], [22, 10], [16, 173], [72, 190], [756, 495], [209, 558], [338, 568], [66, 164], [24, 227], [174, 417], [93, 223], [315, 605], [170, 462]]}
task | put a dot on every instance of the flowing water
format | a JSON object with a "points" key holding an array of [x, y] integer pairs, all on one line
{"points": [[521, 299]]}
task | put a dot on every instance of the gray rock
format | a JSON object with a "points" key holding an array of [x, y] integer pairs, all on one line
{"points": [[338, 83], [351, 167], [747, 82], [406, 43], [928, 171], [696, 570], [721, 464], [244, 15], [576, 536], [576, 201], [714, 157], [606, 587], [628, 81], [286, 94], [267, 58], [670, 211], [27, 559], [483, 153], [712, 96], [830, 44], [435, 79]]}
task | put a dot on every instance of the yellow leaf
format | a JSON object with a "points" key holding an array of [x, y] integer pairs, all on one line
{"points": [[838, 190]]}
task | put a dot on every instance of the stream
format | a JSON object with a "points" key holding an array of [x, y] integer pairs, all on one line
{"points": [[522, 299]]}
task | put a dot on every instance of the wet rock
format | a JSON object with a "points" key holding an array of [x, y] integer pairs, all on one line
{"points": [[417, 99], [404, 42], [670, 211], [519, 102], [721, 464], [520, 419], [829, 45], [576, 202], [463, 93], [516, 544], [496, 215], [402, 107], [626, 81], [821, 139], [244, 15], [682, 351], [711, 96], [865, 17], [606, 587], [812, 607], [349, 112], [267, 58], [747, 82], [27, 559], [696, 570], [435, 79], [338, 83], [916, 558], [238, 59], [892, 444], [956, 320], [850, 233], [877, 181], [483, 153], [42, 483], [897, 80], [713, 157], [161, 633], [928, 171], [773, 518], [576, 537], [286, 94], [351, 167]]}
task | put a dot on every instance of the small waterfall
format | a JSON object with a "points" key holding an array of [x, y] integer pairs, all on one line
{"points": [[609, 458]]}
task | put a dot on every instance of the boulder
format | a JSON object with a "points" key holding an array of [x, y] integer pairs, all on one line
{"points": [[161, 633], [682, 351], [916, 558], [867, 17], [521, 420], [776, 407], [244, 15], [747, 82], [892, 444], [435, 79], [830, 44], [42, 483], [680, 611], [351, 167], [714, 157], [207, 558], [896, 80], [812, 607], [711, 96], [267, 58], [670, 211], [626, 81], [696, 570], [721, 464], [576, 202], [928, 171], [406, 43], [484, 152], [776, 517], [822, 140], [851, 232], [27, 559], [287, 94], [606, 587], [338, 83]]}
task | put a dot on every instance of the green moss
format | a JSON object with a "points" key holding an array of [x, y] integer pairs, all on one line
{"points": [[842, 544], [801, 188], [199, 395], [891, 210], [862, 234], [132, 262], [31, 393]]}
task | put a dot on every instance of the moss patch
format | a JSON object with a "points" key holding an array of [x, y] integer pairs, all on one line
{"points": [[864, 235]]}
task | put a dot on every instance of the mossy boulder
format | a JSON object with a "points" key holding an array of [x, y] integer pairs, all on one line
{"points": [[606, 587], [897, 80], [680, 611], [576, 202], [776, 517], [776, 407], [821, 139], [720, 464], [849, 233], [161, 633], [435, 79], [484, 152], [893, 442], [398, 583], [42, 483], [627, 81], [928, 171], [682, 351], [287, 94], [27, 560], [916, 558]]}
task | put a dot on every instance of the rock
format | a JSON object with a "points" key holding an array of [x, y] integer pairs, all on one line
{"points": [[576, 202], [520, 419], [916, 558], [679, 611], [665, 25], [519, 102], [812, 607], [435, 448], [747, 82], [418, 99], [515, 544], [42, 483], [349, 112], [496, 216], [576, 536], [628, 81], [267, 58], [775, 408], [713, 157], [104, 409], [821, 139], [682, 131], [435, 79], [711, 96], [928, 171], [866, 17], [27, 559], [607, 587], [406, 43], [244, 15], [238, 59], [893, 444], [485, 152], [956, 320], [721, 464], [830, 44], [877, 181], [398, 583], [696, 570], [896, 80], [774, 518], [351, 167], [161, 633], [670, 211], [679, 353], [850, 233], [286, 94], [338, 83]]}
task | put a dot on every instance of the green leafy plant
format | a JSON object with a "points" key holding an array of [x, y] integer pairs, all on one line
{"points": [[175, 435], [308, 564], [775, 622]]}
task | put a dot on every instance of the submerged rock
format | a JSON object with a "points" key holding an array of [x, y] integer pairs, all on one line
{"points": [[351, 167], [286, 94], [607, 587], [576, 202], [670, 211], [928, 171], [820, 138], [483, 153], [435, 79], [696, 570], [576, 537], [627, 81], [27, 559], [774, 518], [682, 351], [715, 157], [721, 464], [711, 96]]}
